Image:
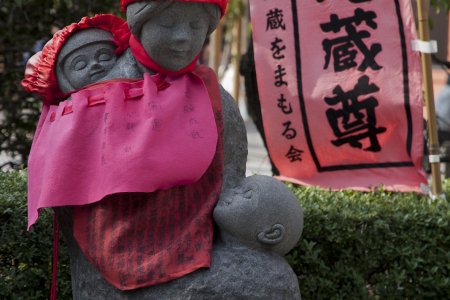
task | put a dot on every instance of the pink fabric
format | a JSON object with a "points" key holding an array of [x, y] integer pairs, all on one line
{"points": [[117, 137], [294, 92]]}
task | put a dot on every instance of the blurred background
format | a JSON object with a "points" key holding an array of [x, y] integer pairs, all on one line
{"points": [[26, 25]]}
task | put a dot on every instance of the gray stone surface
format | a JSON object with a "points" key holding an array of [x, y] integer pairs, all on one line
{"points": [[86, 57], [236, 272], [260, 213], [180, 29], [244, 265]]}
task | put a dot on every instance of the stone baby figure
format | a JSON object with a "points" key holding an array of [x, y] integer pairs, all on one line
{"points": [[78, 55], [259, 221], [260, 213]]}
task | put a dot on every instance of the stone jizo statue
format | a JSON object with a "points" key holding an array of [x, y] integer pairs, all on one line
{"points": [[152, 142], [77, 66], [260, 213]]}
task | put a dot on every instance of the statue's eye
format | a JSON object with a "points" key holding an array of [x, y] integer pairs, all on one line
{"points": [[104, 57], [79, 64], [104, 54]]}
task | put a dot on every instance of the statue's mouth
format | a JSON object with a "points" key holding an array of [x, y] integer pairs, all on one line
{"points": [[95, 74], [179, 52]]}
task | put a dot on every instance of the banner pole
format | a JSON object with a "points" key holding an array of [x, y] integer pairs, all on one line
{"points": [[424, 35]]}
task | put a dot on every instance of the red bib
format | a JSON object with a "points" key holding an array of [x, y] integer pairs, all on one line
{"points": [[140, 239]]}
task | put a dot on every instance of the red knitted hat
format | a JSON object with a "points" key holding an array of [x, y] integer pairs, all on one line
{"points": [[40, 77], [221, 3]]}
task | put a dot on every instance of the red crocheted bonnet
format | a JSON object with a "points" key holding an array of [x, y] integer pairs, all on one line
{"points": [[40, 77], [221, 3]]}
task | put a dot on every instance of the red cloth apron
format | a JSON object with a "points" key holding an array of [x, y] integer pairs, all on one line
{"points": [[121, 136], [140, 239]]}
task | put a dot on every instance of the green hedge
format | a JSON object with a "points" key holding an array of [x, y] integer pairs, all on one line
{"points": [[376, 245], [355, 245], [26, 257]]}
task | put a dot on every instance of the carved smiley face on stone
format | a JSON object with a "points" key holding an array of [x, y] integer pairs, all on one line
{"points": [[261, 213], [86, 57], [89, 64]]}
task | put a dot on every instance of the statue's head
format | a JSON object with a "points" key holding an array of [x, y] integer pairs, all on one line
{"points": [[173, 32], [85, 58], [261, 213], [78, 55]]}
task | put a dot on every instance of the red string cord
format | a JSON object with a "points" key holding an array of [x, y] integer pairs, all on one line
{"points": [[53, 289]]}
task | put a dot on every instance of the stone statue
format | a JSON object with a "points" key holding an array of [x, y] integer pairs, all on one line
{"points": [[154, 243], [86, 57], [258, 222], [260, 213]]}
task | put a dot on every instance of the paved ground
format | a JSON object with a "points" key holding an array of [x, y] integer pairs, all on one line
{"points": [[257, 160]]}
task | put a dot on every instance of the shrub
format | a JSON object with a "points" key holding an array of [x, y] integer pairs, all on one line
{"points": [[26, 257], [377, 245]]}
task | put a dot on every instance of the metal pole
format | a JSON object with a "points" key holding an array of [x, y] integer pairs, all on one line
{"points": [[424, 35]]}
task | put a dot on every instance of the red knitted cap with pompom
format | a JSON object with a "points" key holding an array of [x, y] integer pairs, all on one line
{"points": [[221, 3], [40, 77]]}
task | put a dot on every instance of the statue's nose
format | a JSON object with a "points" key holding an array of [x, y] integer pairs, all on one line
{"points": [[181, 34]]}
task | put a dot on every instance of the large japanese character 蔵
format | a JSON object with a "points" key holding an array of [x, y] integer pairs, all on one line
{"points": [[275, 19], [344, 49], [355, 120]]}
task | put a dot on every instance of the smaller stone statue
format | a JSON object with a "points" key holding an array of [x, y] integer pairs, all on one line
{"points": [[86, 57], [260, 213], [78, 55]]}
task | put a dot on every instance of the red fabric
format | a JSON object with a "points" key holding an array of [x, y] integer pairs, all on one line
{"points": [[40, 77], [121, 136], [140, 239], [330, 119], [142, 56], [53, 290], [221, 3]]}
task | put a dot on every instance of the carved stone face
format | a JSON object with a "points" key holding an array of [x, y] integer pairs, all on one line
{"points": [[89, 64], [261, 213], [175, 36], [86, 57], [239, 213]]}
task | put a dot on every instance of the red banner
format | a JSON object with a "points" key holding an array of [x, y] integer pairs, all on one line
{"points": [[340, 91]]}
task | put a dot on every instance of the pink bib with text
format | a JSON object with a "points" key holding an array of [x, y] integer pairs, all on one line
{"points": [[114, 137]]}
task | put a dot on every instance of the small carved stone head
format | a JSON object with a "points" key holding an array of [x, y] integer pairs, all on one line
{"points": [[79, 54], [261, 213], [86, 57]]}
